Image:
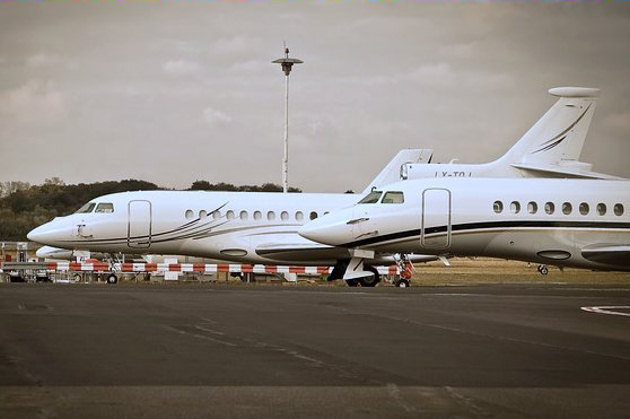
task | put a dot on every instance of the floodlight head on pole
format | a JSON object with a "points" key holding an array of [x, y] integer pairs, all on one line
{"points": [[287, 62]]}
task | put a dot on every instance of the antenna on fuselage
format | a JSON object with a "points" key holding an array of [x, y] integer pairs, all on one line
{"points": [[286, 64]]}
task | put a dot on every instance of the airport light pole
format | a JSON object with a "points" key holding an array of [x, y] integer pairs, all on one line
{"points": [[286, 64]]}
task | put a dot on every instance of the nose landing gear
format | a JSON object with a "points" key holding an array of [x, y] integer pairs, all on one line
{"points": [[406, 271], [542, 269]]}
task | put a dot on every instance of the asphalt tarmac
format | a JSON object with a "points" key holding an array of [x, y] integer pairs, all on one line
{"points": [[254, 351]]}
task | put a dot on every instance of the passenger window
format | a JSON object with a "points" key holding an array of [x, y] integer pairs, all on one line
{"points": [[313, 215], [243, 215], [601, 209], [216, 214], [371, 198], [87, 208], [584, 208], [284, 216], [532, 207], [299, 215], [550, 208], [515, 207], [393, 198], [230, 215], [497, 207], [271, 215], [257, 215], [189, 214], [105, 207], [567, 208], [618, 210], [203, 214]]}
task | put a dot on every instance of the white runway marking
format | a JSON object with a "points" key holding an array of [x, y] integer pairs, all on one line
{"points": [[608, 310]]}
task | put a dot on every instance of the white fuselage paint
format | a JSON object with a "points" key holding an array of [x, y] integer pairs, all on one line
{"points": [[220, 225], [457, 217]]}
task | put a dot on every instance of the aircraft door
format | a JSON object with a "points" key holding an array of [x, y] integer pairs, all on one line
{"points": [[436, 218], [139, 224]]}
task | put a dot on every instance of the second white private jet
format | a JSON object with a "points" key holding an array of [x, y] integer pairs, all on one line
{"points": [[565, 222]]}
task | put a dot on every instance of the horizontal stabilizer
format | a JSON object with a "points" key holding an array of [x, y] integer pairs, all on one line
{"points": [[560, 171], [574, 92]]}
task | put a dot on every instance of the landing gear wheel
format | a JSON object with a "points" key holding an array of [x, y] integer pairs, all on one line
{"points": [[543, 270], [352, 282], [370, 281], [112, 279], [403, 283]]}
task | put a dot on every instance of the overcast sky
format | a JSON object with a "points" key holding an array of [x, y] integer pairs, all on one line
{"points": [[175, 92]]}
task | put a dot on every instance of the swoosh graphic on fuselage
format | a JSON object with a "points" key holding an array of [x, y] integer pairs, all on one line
{"points": [[194, 235]]}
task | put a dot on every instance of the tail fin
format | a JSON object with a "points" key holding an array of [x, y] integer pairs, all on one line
{"points": [[392, 172], [557, 138]]}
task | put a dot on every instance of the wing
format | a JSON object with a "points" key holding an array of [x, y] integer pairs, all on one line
{"points": [[613, 255], [302, 251]]}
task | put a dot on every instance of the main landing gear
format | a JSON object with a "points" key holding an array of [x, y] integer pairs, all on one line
{"points": [[369, 280], [366, 281], [371, 276]]}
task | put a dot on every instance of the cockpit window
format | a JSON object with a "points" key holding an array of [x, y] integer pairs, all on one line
{"points": [[106, 207], [393, 198], [371, 198], [87, 208]]}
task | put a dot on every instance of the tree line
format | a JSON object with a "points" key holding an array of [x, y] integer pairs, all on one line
{"points": [[24, 206]]}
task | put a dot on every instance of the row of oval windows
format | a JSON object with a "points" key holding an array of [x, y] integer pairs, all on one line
{"points": [[550, 208], [244, 215]]}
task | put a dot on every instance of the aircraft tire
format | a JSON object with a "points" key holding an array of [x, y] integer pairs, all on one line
{"points": [[403, 283], [370, 281], [352, 282], [112, 279]]}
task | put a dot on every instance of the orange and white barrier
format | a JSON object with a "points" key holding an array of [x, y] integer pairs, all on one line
{"points": [[200, 268]]}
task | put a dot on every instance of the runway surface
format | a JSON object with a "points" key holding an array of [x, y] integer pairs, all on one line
{"points": [[220, 351]]}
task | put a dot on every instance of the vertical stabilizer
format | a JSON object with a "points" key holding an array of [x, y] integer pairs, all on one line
{"points": [[392, 172], [558, 136]]}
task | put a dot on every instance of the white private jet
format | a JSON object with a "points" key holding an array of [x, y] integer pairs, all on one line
{"points": [[565, 222], [262, 227], [246, 227]]}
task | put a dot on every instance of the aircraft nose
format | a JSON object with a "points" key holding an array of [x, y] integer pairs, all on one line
{"points": [[331, 229], [36, 234], [48, 234]]}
